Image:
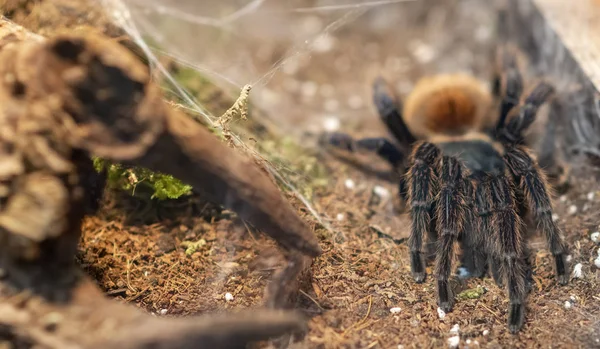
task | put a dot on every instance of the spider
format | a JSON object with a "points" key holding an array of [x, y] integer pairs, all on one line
{"points": [[468, 176]]}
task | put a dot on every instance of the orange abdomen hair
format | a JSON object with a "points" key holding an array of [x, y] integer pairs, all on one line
{"points": [[451, 104]]}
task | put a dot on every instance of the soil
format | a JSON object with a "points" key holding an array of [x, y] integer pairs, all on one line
{"points": [[139, 252]]}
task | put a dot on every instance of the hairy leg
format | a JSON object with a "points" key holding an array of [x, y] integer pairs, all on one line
{"points": [[509, 84], [390, 113], [474, 257], [421, 186], [450, 216], [533, 184], [508, 236], [380, 146]]}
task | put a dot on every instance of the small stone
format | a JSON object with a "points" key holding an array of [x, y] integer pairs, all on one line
{"points": [[563, 198], [340, 217], [569, 258], [349, 183], [568, 305], [453, 341], [597, 260], [463, 273], [381, 192], [486, 332], [595, 237], [468, 341], [577, 272], [441, 313], [591, 195], [572, 209], [455, 329], [228, 297], [331, 124], [163, 312], [395, 310], [555, 217], [400, 346], [323, 43]]}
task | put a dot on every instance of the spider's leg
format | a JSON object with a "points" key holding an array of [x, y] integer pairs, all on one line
{"points": [[484, 212], [510, 84], [508, 238], [390, 112], [533, 183], [513, 131], [422, 181], [474, 255], [380, 146], [450, 214]]}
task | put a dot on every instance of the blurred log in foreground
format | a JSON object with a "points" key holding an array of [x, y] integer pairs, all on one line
{"points": [[69, 97]]}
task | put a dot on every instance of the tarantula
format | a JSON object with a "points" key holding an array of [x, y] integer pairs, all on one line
{"points": [[468, 176]]}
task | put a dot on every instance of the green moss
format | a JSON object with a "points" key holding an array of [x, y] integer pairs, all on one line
{"points": [[192, 247], [163, 186], [473, 293]]}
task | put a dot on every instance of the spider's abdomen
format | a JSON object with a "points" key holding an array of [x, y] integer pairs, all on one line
{"points": [[478, 156], [448, 104]]}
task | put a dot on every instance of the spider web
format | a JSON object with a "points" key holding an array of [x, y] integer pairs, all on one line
{"points": [[216, 38]]}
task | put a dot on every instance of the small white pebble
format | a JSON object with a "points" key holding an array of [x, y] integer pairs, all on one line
{"points": [[595, 237], [453, 341], [455, 329], [441, 313], [395, 310], [486, 332], [555, 217], [569, 258], [323, 43], [381, 192], [331, 124], [577, 272], [163, 312], [468, 341], [597, 260], [572, 209], [563, 198], [340, 217], [463, 273], [228, 297], [400, 346], [568, 305], [572, 298], [590, 196], [349, 183]]}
